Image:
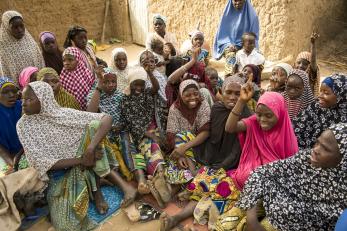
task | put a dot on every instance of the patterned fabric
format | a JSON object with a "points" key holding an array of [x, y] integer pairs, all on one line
{"points": [[297, 105], [79, 81], [15, 55], [230, 60], [314, 76], [162, 80], [24, 76], [297, 195], [312, 121], [55, 59], [122, 75], [53, 134]]}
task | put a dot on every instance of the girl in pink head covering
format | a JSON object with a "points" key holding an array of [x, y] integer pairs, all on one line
{"points": [[265, 137], [27, 75]]}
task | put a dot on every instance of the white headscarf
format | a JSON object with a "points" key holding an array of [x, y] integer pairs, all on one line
{"points": [[288, 68], [53, 134], [122, 75]]}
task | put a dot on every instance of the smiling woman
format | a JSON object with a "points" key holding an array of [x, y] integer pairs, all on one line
{"points": [[18, 49]]}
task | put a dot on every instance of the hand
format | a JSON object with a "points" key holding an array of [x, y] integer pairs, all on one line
{"points": [[252, 220], [88, 159], [149, 68], [99, 153], [182, 162], [314, 36], [195, 53], [178, 152], [247, 90], [99, 70], [232, 48]]}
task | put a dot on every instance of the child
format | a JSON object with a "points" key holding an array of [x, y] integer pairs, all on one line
{"points": [[279, 77], [215, 81], [306, 61], [28, 75], [157, 48], [119, 63], [63, 98], [248, 54], [169, 50], [51, 52], [197, 40]]}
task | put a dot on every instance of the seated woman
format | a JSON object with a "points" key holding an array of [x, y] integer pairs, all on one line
{"points": [[69, 150], [63, 98], [75, 77], [297, 94], [329, 108], [28, 75], [279, 77], [143, 120], [265, 137], [51, 53], [188, 126], [10, 113], [119, 64], [220, 152], [304, 191]]}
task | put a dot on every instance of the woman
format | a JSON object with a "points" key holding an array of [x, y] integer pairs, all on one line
{"points": [[75, 77], [220, 152], [28, 75], [10, 113], [305, 191], [188, 126], [159, 25], [63, 98], [69, 150], [119, 63], [50, 51], [298, 94], [239, 17], [319, 115], [77, 37], [18, 49]]}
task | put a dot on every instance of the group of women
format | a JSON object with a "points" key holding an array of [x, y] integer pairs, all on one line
{"points": [[244, 157]]}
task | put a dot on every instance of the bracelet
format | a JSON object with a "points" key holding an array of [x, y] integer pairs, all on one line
{"points": [[237, 114]]}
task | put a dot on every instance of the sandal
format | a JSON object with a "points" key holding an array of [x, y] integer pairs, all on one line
{"points": [[148, 213]]}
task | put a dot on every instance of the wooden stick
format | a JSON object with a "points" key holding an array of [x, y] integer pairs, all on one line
{"points": [[105, 20]]}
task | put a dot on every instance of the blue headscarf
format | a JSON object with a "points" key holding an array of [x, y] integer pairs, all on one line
{"points": [[232, 26], [9, 117]]}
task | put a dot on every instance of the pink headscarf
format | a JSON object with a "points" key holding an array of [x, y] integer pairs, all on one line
{"points": [[24, 76], [260, 147]]}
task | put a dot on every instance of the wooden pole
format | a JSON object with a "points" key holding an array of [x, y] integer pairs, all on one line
{"points": [[105, 20]]}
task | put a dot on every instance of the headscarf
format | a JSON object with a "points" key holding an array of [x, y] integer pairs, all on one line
{"points": [[222, 144], [8, 119], [122, 75], [313, 120], [286, 67], [195, 33], [295, 194], [55, 133], [232, 26], [15, 55], [159, 17], [24, 76], [260, 147], [256, 73], [55, 60], [46, 70], [79, 81], [297, 105], [304, 55]]}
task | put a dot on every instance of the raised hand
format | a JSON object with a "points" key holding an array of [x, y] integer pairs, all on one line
{"points": [[314, 36], [195, 52], [247, 90]]}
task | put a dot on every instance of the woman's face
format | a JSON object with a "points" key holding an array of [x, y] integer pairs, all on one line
{"points": [[294, 87], [198, 40], [265, 117], [213, 77], [109, 83], [8, 95], [191, 97], [80, 40], [137, 87], [69, 62], [246, 72], [121, 61], [326, 97], [50, 46], [231, 94], [325, 153], [302, 64], [238, 4], [159, 26], [17, 28], [53, 81], [279, 76], [31, 104]]}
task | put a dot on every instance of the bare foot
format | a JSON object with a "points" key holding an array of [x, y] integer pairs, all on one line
{"points": [[130, 194], [162, 187], [156, 194], [166, 222], [100, 203], [184, 195], [143, 188]]}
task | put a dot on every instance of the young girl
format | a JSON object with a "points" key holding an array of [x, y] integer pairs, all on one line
{"points": [[70, 151], [157, 49], [329, 108], [119, 63], [28, 75], [63, 98], [298, 94], [196, 40], [265, 137], [52, 55], [307, 61], [215, 81], [142, 119], [76, 78], [10, 113], [279, 77]]}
